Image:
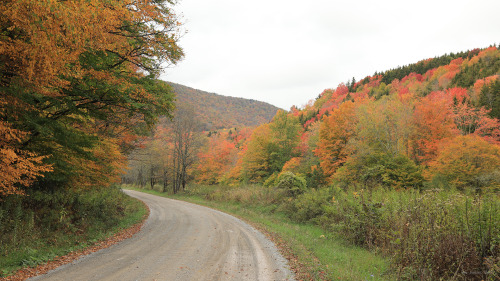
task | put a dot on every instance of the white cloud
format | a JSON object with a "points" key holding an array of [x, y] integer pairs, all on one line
{"points": [[286, 52]]}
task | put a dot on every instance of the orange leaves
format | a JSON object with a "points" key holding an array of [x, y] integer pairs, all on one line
{"points": [[216, 160], [46, 38], [291, 164], [18, 168], [480, 83], [472, 120], [433, 120], [334, 135], [77, 70], [105, 167], [255, 160], [469, 161]]}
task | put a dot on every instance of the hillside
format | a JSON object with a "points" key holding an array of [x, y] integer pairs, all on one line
{"points": [[476, 72], [217, 111]]}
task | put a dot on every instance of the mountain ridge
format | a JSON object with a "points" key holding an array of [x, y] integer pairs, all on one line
{"points": [[219, 112]]}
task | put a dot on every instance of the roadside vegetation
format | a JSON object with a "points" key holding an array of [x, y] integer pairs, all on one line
{"points": [[39, 227], [403, 165], [357, 234]]}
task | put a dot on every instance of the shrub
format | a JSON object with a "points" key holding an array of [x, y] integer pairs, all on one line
{"points": [[246, 194], [372, 170], [293, 184], [429, 235], [310, 205], [271, 180], [40, 222]]}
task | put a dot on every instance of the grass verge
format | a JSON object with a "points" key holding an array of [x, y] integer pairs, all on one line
{"points": [[313, 253]]}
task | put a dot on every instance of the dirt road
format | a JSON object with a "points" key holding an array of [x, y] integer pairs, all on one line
{"points": [[182, 241]]}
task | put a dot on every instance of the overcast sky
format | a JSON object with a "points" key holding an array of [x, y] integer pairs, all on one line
{"points": [[286, 52]]}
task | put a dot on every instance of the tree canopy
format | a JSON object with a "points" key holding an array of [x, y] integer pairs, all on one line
{"points": [[77, 81]]}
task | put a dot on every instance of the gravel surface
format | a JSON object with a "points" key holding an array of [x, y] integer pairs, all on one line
{"points": [[182, 241]]}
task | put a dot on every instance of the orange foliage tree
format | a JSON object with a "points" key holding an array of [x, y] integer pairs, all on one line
{"points": [[256, 162], [473, 120], [76, 75], [18, 168], [335, 132], [43, 42], [216, 159], [433, 120], [468, 162]]}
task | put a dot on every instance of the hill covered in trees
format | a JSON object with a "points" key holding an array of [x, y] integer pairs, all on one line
{"points": [[218, 112]]}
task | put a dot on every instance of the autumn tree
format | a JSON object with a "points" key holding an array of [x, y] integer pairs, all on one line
{"points": [[490, 98], [474, 120], [216, 159], [335, 133], [371, 169], [271, 146], [151, 162], [256, 160], [75, 75], [43, 42], [433, 122], [468, 162], [385, 125], [19, 168], [378, 151], [285, 136]]}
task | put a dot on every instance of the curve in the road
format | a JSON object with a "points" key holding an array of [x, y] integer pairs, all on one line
{"points": [[182, 241]]}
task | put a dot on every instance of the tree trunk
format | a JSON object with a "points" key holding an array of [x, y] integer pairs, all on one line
{"points": [[165, 181]]}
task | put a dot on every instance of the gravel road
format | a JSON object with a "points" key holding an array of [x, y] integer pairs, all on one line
{"points": [[182, 241]]}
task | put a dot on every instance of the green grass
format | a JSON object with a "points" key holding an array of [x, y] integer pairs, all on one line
{"points": [[36, 246], [322, 256]]}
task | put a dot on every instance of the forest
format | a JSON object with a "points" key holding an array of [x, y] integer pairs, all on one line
{"points": [[217, 112], [432, 128]]}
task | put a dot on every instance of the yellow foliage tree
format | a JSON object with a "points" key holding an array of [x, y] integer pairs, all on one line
{"points": [[256, 158], [468, 162]]}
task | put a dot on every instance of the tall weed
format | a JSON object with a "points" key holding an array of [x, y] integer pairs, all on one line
{"points": [[40, 219], [429, 235]]}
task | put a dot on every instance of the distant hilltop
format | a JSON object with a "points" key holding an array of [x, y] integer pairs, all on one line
{"points": [[219, 112]]}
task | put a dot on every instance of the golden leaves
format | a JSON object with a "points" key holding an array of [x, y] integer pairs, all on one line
{"points": [[17, 167]]}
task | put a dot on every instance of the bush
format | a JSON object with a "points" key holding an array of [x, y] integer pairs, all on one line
{"points": [[293, 184], [354, 215], [429, 235], [43, 215], [246, 194], [469, 162], [372, 170], [271, 180], [310, 205], [42, 225]]}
